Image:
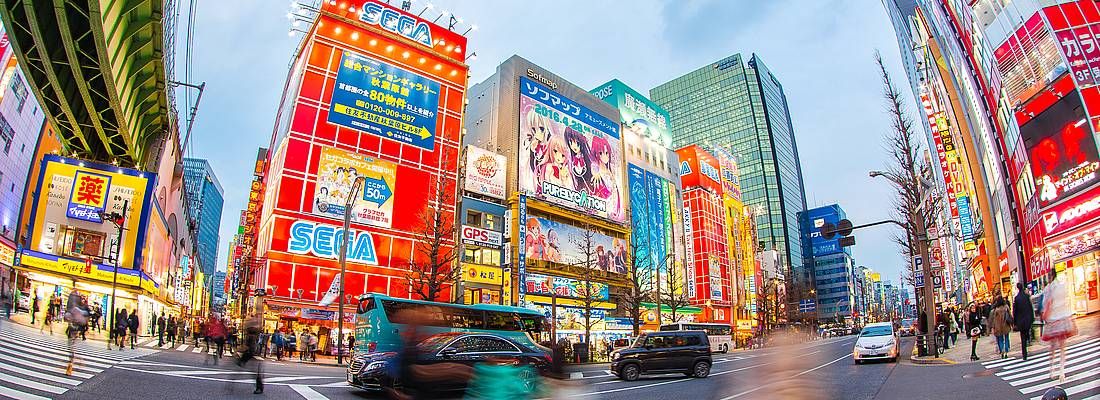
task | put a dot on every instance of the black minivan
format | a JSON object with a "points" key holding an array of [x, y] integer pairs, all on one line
{"points": [[663, 352]]}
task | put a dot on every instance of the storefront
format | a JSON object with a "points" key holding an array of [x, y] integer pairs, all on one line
{"points": [[1077, 257], [484, 279]]}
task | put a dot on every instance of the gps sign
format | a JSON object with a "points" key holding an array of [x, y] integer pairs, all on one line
{"points": [[481, 237]]}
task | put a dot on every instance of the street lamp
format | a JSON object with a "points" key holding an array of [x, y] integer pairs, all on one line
{"points": [[355, 188], [916, 221]]}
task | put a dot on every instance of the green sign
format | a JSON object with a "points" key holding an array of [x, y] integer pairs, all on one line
{"points": [[638, 114]]}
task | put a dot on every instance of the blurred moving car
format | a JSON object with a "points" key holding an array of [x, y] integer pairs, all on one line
{"points": [[664, 352], [907, 327], [380, 370], [877, 342]]}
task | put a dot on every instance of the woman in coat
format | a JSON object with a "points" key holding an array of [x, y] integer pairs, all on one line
{"points": [[973, 329], [122, 324], [1000, 324], [1058, 322]]}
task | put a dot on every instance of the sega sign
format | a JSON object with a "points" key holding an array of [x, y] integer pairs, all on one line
{"points": [[396, 22], [321, 240], [481, 237]]}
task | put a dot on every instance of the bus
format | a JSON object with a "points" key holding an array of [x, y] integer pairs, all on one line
{"points": [[380, 319], [719, 335]]}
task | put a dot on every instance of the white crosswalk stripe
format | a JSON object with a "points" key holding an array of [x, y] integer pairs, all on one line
{"points": [[33, 365], [1033, 377]]}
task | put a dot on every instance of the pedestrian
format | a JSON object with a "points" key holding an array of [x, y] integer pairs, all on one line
{"points": [[93, 319], [253, 327], [170, 328], [1023, 315], [953, 326], [122, 324], [34, 307], [5, 298], [277, 342], [303, 345], [161, 324], [313, 339], [231, 338], [264, 340], [973, 329], [351, 343], [200, 330], [1058, 322], [1000, 324], [291, 343], [134, 323], [77, 317]]}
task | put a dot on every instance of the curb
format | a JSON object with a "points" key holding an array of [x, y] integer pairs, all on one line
{"points": [[915, 359]]}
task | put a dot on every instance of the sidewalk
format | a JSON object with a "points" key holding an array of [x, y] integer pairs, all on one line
{"points": [[102, 336], [1088, 326]]}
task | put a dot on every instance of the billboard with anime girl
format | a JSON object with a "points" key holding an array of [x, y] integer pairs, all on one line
{"points": [[569, 155], [556, 242]]}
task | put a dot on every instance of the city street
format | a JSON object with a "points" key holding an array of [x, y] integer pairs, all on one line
{"points": [[33, 366]]}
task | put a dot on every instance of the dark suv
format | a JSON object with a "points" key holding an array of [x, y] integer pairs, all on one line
{"points": [[663, 352]]}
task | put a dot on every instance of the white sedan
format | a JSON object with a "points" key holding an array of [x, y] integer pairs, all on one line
{"points": [[877, 342]]}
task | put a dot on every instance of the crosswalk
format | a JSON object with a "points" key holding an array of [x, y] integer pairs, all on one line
{"points": [[1032, 377], [33, 365]]}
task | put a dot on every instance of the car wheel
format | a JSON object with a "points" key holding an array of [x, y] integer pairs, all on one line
{"points": [[858, 362], [725, 348], [894, 360], [701, 369], [629, 372]]}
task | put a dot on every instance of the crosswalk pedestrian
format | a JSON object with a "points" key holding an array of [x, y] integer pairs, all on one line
{"points": [[33, 366], [1033, 377]]}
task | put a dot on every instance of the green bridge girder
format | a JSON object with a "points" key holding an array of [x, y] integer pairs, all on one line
{"points": [[98, 69]]}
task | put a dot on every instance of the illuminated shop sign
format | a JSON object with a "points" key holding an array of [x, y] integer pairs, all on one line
{"points": [[396, 22], [1071, 214], [1061, 149], [89, 196], [324, 241], [385, 101], [481, 237]]}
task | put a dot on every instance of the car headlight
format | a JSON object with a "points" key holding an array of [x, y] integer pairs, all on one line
{"points": [[374, 366], [616, 356]]}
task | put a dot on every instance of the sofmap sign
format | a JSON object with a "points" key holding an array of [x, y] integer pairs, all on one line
{"points": [[324, 241], [481, 237], [385, 101]]}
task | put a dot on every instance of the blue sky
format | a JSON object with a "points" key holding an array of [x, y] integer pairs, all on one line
{"points": [[821, 51]]}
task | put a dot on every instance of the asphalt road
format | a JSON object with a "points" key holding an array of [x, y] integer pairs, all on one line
{"points": [[33, 369], [815, 370]]}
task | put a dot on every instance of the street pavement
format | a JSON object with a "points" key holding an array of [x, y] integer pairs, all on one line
{"points": [[32, 367]]}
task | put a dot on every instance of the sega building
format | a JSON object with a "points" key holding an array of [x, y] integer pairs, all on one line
{"points": [[565, 177], [484, 278], [374, 93]]}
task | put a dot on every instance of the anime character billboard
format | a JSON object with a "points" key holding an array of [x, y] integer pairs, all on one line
{"points": [[569, 155]]}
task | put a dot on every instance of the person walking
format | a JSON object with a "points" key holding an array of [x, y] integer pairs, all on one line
{"points": [[351, 343], [953, 326], [291, 343], [277, 343], [170, 328], [134, 324], [34, 307], [1000, 324], [1058, 322], [974, 329], [313, 340], [122, 324], [303, 345], [76, 316], [93, 318], [1023, 315], [253, 327], [161, 324]]}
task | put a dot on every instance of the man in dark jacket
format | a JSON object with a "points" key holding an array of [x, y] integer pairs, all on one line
{"points": [[1023, 316], [161, 322], [133, 323]]}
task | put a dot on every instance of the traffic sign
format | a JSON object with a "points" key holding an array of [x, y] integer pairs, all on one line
{"points": [[917, 263], [918, 278], [937, 280]]}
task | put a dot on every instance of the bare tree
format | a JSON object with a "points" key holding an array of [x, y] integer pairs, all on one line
{"points": [[640, 286], [432, 266], [588, 269], [675, 298]]}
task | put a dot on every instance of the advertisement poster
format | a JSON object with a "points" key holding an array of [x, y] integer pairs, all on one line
{"points": [[556, 242], [385, 101], [1061, 149], [572, 318], [569, 155], [639, 115], [337, 171], [73, 191], [563, 287], [485, 172], [651, 218]]}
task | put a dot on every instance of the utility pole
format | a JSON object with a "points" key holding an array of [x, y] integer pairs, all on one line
{"points": [[355, 189], [120, 223]]}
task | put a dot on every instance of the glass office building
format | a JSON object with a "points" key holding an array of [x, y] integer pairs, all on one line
{"points": [[740, 106], [206, 196]]}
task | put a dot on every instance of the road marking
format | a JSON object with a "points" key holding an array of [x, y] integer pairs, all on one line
{"points": [[1070, 391], [5, 356], [39, 375], [576, 375], [183, 347], [1071, 368], [15, 394], [45, 366], [792, 376], [1040, 361], [1035, 357], [630, 388], [32, 384], [308, 393]]}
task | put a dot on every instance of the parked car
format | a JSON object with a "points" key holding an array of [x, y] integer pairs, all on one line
{"points": [[877, 342], [907, 327], [379, 370], [664, 352]]}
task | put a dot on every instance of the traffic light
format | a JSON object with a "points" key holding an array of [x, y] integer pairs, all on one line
{"points": [[842, 228]]}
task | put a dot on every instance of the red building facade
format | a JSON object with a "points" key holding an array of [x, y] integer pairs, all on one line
{"points": [[708, 261]]}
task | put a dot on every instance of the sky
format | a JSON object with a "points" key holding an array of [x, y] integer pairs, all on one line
{"points": [[821, 51]]}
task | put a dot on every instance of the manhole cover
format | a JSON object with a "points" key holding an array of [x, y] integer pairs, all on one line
{"points": [[979, 374]]}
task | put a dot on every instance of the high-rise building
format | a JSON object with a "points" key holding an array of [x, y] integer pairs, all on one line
{"points": [[832, 264], [219, 287], [205, 195], [741, 107], [20, 128]]}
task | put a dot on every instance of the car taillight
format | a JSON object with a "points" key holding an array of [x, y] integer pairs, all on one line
{"points": [[549, 358], [371, 346]]}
